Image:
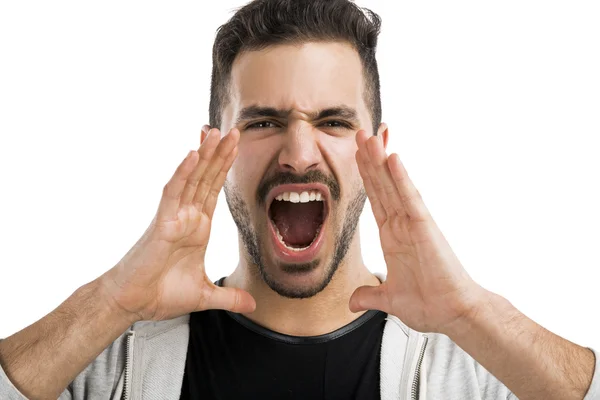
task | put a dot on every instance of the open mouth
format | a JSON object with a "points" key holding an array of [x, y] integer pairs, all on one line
{"points": [[297, 215]]}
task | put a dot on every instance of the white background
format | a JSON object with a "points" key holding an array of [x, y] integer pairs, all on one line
{"points": [[493, 107]]}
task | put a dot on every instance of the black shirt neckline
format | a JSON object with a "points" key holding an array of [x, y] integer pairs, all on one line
{"points": [[299, 340]]}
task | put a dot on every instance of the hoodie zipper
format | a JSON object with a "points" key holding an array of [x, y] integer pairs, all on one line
{"points": [[414, 390], [128, 360]]}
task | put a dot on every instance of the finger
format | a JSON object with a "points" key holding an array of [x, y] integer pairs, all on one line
{"points": [[221, 155], [361, 142], [231, 299], [408, 193], [376, 206], [375, 182], [206, 151], [369, 298], [169, 203], [213, 194], [361, 137], [382, 177]]}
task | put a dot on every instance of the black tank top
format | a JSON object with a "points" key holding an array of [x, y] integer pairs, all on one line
{"points": [[231, 357]]}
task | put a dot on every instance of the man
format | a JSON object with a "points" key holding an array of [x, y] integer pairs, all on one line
{"points": [[295, 88]]}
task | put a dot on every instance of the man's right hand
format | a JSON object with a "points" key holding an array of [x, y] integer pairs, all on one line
{"points": [[163, 275]]}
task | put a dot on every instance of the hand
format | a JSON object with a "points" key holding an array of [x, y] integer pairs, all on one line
{"points": [[163, 274], [426, 285]]}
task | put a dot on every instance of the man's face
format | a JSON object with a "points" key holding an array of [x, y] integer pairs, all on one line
{"points": [[294, 190]]}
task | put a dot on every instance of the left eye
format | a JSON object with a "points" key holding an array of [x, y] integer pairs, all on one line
{"points": [[261, 125], [335, 124]]}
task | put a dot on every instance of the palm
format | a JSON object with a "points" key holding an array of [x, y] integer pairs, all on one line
{"points": [[423, 285], [191, 228], [185, 241]]}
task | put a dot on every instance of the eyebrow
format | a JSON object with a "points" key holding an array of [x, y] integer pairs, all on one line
{"points": [[253, 112]]}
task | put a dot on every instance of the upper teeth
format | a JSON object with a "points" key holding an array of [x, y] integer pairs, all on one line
{"points": [[300, 197]]}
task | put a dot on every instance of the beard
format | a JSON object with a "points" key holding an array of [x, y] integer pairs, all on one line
{"points": [[253, 243]]}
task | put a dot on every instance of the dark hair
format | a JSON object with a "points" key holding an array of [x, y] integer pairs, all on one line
{"points": [[262, 23]]}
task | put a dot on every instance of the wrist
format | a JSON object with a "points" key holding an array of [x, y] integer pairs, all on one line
{"points": [[472, 308], [102, 290]]}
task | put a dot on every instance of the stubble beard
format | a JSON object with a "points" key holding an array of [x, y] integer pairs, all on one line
{"points": [[252, 243]]}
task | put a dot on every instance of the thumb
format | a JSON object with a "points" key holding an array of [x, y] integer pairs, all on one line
{"points": [[230, 299], [369, 298]]}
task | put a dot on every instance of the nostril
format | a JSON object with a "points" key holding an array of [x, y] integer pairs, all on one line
{"points": [[288, 167], [313, 166], [299, 169]]}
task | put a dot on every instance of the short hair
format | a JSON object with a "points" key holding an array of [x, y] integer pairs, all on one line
{"points": [[262, 23]]}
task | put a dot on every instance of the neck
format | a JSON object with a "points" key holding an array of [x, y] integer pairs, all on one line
{"points": [[323, 313]]}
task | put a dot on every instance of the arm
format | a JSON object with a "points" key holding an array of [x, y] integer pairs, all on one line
{"points": [[42, 359], [531, 361], [161, 277], [430, 291]]}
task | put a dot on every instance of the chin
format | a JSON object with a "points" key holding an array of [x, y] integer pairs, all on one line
{"points": [[297, 281], [297, 241]]}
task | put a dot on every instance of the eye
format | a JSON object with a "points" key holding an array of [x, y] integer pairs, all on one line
{"points": [[261, 125], [336, 124]]}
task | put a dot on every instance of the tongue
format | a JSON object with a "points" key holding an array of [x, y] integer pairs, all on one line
{"points": [[297, 222]]}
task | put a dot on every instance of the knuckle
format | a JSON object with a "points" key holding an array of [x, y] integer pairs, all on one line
{"points": [[405, 198], [201, 190], [212, 196], [192, 182]]}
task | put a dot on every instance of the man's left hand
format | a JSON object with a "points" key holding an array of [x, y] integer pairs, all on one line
{"points": [[426, 285]]}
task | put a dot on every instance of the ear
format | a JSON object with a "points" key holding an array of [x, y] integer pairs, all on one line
{"points": [[382, 132], [204, 134]]}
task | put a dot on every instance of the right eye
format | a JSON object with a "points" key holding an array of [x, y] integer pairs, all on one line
{"points": [[261, 125]]}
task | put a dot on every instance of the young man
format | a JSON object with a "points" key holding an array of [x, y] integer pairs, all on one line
{"points": [[295, 87]]}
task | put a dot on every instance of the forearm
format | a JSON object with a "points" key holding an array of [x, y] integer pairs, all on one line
{"points": [[42, 359], [531, 361]]}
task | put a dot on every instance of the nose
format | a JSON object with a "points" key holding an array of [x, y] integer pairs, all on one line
{"points": [[300, 151]]}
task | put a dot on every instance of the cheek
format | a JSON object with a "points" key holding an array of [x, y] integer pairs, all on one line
{"points": [[249, 167], [339, 153], [340, 147]]}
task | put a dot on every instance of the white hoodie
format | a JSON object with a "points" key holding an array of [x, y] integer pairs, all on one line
{"points": [[148, 361]]}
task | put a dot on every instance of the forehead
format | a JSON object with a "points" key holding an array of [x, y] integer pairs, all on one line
{"points": [[304, 77]]}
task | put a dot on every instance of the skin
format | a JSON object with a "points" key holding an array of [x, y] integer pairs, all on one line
{"points": [[430, 291], [426, 287], [303, 79], [162, 276]]}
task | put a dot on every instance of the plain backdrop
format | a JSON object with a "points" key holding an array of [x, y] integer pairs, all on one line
{"points": [[492, 106]]}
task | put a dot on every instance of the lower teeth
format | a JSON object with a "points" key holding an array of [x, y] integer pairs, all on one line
{"points": [[295, 248]]}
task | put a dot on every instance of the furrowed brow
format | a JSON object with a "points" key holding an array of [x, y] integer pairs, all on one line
{"points": [[253, 112], [344, 112]]}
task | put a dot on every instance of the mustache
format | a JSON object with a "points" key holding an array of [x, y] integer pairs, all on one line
{"points": [[283, 178]]}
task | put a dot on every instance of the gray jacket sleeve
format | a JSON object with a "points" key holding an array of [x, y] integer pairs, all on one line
{"points": [[593, 392], [99, 380], [8, 391]]}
